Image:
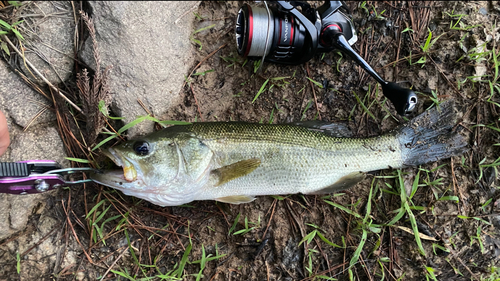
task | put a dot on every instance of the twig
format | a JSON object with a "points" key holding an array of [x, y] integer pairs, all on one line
{"points": [[113, 264], [6, 39], [223, 214], [185, 13], [270, 219], [144, 107], [314, 92], [198, 65], [40, 112], [41, 240], [446, 78], [74, 233], [267, 270], [196, 101]]}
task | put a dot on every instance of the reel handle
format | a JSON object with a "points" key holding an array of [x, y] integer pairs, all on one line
{"points": [[404, 100]]}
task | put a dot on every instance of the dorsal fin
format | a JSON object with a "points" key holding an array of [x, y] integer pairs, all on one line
{"points": [[337, 130]]}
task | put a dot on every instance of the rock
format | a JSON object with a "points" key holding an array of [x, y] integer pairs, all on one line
{"points": [[20, 102], [148, 45], [50, 44], [41, 141]]}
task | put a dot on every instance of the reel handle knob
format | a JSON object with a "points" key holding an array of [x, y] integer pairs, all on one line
{"points": [[404, 100]]}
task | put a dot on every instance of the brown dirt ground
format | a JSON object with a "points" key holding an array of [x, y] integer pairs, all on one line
{"points": [[271, 251]]}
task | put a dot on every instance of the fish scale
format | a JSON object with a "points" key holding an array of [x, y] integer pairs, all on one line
{"points": [[305, 163], [234, 162]]}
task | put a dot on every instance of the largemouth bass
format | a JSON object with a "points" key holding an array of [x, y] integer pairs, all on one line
{"points": [[234, 162]]}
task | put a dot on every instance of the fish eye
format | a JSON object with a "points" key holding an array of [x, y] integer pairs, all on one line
{"points": [[141, 148]]}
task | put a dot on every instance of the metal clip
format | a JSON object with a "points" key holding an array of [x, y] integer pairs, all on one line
{"points": [[35, 176]]}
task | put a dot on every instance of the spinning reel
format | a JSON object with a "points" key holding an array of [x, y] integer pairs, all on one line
{"points": [[280, 33]]}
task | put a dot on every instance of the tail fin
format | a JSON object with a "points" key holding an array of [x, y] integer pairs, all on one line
{"points": [[431, 136]]}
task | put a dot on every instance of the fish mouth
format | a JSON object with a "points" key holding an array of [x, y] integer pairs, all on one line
{"points": [[129, 171]]}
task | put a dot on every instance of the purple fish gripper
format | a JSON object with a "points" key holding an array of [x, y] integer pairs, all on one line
{"points": [[31, 184]]}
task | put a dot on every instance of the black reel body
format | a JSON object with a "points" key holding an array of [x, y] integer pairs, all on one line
{"points": [[280, 33]]}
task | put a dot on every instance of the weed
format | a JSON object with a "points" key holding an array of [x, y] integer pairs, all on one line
{"points": [[483, 206], [437, 246], [308, 105], [198, 16], [203, 261], [316, 83], [262, 88], [203, 73], [408, 29], [230, 60], [184, 260], [18, 262], [135, 122], [430, 274], [6, 28], [434, 98], [378, 16], [475, 218], [256, 65], [462, 26], [429, 42], [280, 81], [233, 227], [197, 31], [362, 5], [363, 105], [247, 229], [85, 161], [316, 232], [309, 266]]}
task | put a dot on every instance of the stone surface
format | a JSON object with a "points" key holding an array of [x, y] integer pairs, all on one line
{"points": [[40, 141], [148, 44], [20, 102], [50, 38]]}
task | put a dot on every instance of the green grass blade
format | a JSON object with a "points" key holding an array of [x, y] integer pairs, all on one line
{"points": [[85, 161], [124, 275], [95, 208], [6, 25], [427, 42], [132, 124], [184, 260], [235, 223], [260, 90], [406, 207], [328, 241], [344, 209], [357, 253], [204, 28], [363, 106], [104, 141], [315, 83]]}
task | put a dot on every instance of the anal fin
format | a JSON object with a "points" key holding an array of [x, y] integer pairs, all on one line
{"points": [[236, 199], [344, 182]]}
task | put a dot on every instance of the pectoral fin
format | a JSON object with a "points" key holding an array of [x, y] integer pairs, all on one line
{"points": [[235, 170], [344, 182], [237, 199]]}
